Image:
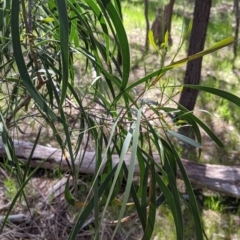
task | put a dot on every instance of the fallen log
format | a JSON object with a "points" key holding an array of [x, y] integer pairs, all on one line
{"points": [[221, 178]]}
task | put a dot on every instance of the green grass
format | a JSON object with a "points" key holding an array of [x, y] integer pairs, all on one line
{"points": [[216, 224], [132, 15], [10, 188]]}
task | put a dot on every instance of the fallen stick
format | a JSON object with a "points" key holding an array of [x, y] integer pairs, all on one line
{"points": [[16, 218], [221, 178]]}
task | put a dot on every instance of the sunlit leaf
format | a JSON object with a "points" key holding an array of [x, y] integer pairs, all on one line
{"points": [[47, 19], [166, 37], [151, 40], [214, 48]]}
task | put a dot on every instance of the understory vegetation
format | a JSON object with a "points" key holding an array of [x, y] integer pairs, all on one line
{"points": [[63, 85]]}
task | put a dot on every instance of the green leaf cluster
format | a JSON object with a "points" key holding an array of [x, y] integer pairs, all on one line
{"points": [[40, 46]]}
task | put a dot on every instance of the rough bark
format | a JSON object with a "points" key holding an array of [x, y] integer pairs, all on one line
{"points": [[197, 39], [169, 19], [237, 17], [216, 177]]}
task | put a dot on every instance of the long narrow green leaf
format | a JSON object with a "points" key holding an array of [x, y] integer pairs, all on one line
{"points": [[27, 166], [143, 184], [141, 210], [122, 39], [177, 212], [131, 169], [124, 150], [218, 92], [223, 43], [65, 127], [64, 42], [21, 63], [207, 130], [192, 199], [202, 125], [171, 200], [111, 77], [98, 161], [74, 36], [152, 205], [102, 21], [190, 115], [184, 139], [179, 63], [68, 196], [88, 209]]}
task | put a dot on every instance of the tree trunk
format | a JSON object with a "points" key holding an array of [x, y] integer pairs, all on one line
{"points": [[147, 23], [193, 73], [162, 23], [169, 19], [237, 17], [197, 38]]}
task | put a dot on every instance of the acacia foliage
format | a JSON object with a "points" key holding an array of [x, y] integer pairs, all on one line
{"points": [[41, 42]]}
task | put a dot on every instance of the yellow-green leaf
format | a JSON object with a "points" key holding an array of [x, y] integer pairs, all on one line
{"points": [[180, 89], [48, 19], [166, 36], [225, 42], [151, 40]]}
